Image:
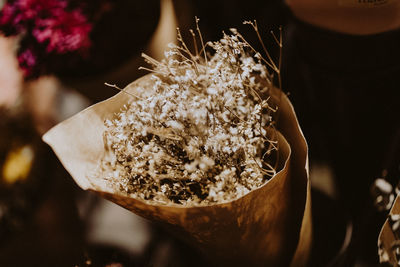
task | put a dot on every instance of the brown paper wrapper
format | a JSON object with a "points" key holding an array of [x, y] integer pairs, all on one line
{"points": [[270, 226], [387, 238]]}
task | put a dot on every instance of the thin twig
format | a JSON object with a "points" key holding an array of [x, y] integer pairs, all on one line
{"points": [[194, 43], [122, 90], [201, 40], [254, 25]]}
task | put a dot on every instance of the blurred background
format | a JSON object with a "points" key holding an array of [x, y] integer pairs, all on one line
{"points": [[56, 55]]}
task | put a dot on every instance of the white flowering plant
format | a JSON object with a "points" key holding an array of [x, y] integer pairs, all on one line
{"points": [[204, 135], [205, 144]]}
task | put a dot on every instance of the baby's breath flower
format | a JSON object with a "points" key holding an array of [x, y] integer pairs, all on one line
{"points": [[200, 138]]}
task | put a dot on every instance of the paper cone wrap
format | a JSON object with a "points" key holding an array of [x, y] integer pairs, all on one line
{"points": [[269, 226], [389, 239]]}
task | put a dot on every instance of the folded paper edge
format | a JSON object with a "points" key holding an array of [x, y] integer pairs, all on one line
{"points": [[303, 249], [386, 233], [51, 138]]}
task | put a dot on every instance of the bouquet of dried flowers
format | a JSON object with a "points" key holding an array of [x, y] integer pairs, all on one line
{"points": [[388, 241], [386, 197], [205, 144], [203, 135]]}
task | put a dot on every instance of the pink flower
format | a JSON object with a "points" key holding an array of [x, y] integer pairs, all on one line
{"points": [[27, 61], [67, 32], [47, 28]]}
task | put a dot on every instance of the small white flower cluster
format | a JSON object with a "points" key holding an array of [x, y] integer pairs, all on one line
{"points": [[201, 136]]}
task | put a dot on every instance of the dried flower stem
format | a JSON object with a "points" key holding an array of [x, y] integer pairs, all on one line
{"points": [[271, 61], [122, 90], [203, 48]]}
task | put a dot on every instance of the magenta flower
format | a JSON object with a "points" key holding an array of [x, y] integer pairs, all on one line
{"points": [[27, 61], [47, 28], [68, 32]]}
